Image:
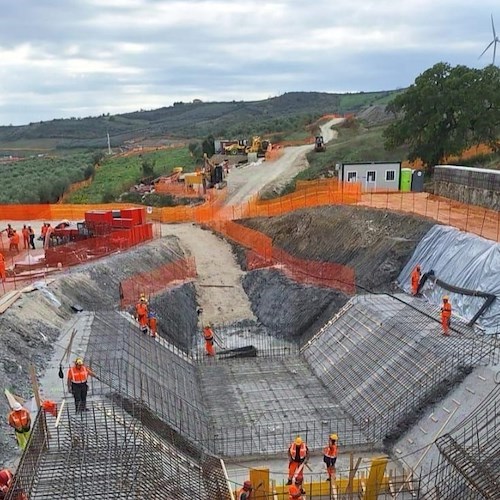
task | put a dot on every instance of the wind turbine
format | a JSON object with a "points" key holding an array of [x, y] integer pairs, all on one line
{"points": [[494, 42]]}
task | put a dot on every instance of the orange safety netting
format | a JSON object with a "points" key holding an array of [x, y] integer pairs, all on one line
{"points": [[78, 252], [56, 212], [471, 218], [262, 253], [157, 280]]}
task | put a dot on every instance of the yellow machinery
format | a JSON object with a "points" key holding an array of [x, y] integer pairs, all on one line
{"points": [[235, 149]]}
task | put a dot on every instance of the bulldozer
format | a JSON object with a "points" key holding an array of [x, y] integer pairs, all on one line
{"points": [[319, 144]]}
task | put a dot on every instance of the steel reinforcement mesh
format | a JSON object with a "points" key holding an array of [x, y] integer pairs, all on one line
{"points": [[106, 453], [382, 358], [153, 372], [469, 462]]}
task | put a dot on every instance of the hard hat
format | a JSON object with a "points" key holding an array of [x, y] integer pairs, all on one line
{"points": [[247, 485], [334, 437], [17, 406], [142, 299], [4, 477], [208, 325], [446, 297], [78, 361], [298, 440], [418, 266]]}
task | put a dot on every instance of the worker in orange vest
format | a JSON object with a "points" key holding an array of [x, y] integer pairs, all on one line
{"points": [[330, 455], [245, 492], [26, 236], [415, 279], [14, 241], [295, 493], [20, 421], [6, 480], [298, 454], [141, 314], [208, 334], [446, 315], [77, 383], [2, 267]]}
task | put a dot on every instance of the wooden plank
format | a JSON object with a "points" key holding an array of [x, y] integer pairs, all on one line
{"points": [[8, 299]]}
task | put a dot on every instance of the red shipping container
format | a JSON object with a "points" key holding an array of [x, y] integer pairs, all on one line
{"points": [[99, 217], [123, 223], [138, 215]]}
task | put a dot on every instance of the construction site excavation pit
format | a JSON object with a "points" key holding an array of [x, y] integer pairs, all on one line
{"points": [[292, 358]]}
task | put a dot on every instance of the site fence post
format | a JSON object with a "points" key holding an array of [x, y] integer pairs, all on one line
{"points": [[482, 225]]}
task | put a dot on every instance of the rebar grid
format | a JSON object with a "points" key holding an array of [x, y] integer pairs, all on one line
{"points": [[382, 359], [231, 336], [259, 405], [469, 463], [108, 454], [147, 370]]}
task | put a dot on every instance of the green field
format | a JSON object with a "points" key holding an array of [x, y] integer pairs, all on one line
{"points": [[116, 175], [42, 179]]}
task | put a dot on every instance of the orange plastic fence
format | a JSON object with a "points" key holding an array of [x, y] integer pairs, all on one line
{"points": [[54, 212], [79, 252], [262, 253], [471, 218], [157, 280]]}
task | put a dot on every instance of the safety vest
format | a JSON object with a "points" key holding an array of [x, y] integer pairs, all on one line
{"points": [[446, 310], [142, 309], [78, 375], [330, 451], [302, 451], [208, 334], [20, 419]]}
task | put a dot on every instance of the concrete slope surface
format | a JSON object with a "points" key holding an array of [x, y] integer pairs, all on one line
{"points": [[219, 283]]}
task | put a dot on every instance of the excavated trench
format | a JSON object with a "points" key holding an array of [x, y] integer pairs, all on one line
{"points": [[374, 243]]}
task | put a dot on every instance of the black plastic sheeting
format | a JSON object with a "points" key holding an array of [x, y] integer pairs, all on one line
{"points": [[462, 263]]}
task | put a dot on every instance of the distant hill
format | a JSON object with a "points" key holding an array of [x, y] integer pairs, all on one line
{"points": [[189, 120]]}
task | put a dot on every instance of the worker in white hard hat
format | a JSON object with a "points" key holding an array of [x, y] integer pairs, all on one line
{"points": [[20, 421], [77, 383], [330, 455]]}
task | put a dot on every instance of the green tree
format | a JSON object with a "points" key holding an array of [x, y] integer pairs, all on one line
{"points": [[97, 157], [196, 150], [208, 146], [148, 168], [445, 111]]}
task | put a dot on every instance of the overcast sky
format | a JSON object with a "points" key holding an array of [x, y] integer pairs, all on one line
{"points": [[63, 58]]}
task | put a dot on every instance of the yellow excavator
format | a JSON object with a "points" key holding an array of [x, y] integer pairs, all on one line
{"points": [[235, 149], [258, 146]]}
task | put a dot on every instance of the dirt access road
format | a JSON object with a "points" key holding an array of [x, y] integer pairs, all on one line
{"points": [[244, 182], [218, 286]]}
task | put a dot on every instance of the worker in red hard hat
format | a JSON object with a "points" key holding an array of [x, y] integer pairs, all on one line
{"points": [[20, 421], [446, 315], [6, 480], [330, 455], [245, 492], [298, 454], [294, 493], [415, 279]]}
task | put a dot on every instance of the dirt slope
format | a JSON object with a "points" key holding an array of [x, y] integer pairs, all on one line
{"points": [[375, 243]]}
